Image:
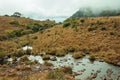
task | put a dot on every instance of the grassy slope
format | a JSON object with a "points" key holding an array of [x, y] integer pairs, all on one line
{"points": [[102, 42]]}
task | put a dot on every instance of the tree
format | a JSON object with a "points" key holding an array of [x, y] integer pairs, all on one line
{"points": [[16, 14]]}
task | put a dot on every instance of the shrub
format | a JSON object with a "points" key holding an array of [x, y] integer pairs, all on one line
{"points": [[91, 29], [77, 55], [24, 32], [55, 74], [34, 37], [112, 33], [82, 20], [14, 22], [103, 28], [66, 24]]}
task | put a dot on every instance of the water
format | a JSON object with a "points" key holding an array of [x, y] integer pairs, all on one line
{"points": [[81, 64], [27, 47]]}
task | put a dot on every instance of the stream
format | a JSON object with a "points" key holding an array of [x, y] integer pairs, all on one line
{"points": [[83, 64]]}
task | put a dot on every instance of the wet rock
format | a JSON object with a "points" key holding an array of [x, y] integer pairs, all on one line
{"points": [[118, 63], [98, 71], [93, 75], [109, 72], [103, 78], [77, 73], [65, 60], [53, 58]]}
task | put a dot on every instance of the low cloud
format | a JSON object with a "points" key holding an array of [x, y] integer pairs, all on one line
{"points": [[34, 8]]}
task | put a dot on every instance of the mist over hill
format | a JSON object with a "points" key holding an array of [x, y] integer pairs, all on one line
{"points": [[96, 12]]}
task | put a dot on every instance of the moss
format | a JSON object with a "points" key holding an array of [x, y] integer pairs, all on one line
{"points": [[77, 55]]}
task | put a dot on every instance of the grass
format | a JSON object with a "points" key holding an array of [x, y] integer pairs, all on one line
{"points": [[56, 75], [77, 55], [46, 63]]}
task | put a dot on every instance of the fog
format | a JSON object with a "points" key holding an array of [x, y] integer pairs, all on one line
{"points": [[38, 8]]}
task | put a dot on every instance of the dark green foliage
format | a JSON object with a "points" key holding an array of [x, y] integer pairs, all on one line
{"points": [[34, 37], [66, 24], [14, 23], [91, 29], [82, 20], [16, 14], [6, 15], [24, 32], [112, 33], [103, 28]]}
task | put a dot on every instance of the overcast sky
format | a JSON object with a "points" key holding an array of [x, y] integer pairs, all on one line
{"points": [[52, 7]]}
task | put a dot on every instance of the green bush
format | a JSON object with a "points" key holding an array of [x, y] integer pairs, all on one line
{"points": [[66, 24], [24, 32], [14, 22], [103, 28], [34, 37], [91, 29], [82, 20]]}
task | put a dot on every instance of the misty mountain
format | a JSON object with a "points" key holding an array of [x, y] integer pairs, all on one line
{"points": [[89, 12]]}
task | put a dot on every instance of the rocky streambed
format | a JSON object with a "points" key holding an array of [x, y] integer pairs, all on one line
{"points": [[82, 68]]}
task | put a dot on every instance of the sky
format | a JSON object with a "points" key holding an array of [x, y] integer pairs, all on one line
{"points": [[35, 8]]}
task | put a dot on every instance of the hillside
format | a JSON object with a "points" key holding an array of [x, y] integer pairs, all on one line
{"points": [[99, 38]]}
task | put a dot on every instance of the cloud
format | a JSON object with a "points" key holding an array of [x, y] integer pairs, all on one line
{"points": [[36, 8]]}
